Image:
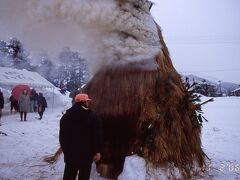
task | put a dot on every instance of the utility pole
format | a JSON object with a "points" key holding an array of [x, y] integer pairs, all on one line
{"points": [[220, 87]]}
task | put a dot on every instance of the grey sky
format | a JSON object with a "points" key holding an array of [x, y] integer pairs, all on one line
{"points": [[203, 36]]}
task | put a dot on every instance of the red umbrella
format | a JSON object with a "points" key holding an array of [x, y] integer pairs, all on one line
{"points": [[18, 90]]}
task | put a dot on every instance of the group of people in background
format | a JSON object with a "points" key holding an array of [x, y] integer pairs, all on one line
{"points": [[27, 102], [31, 103]]}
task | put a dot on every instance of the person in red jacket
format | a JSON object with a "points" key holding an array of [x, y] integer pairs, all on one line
{"points": [[80, 137]]}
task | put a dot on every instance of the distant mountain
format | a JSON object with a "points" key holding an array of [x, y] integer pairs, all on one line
{"points": [[230, 86], [225, 86], [200, 80]]}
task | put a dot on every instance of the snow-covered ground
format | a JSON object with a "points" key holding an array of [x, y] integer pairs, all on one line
{"points": [[221, 137], [27, 143]]}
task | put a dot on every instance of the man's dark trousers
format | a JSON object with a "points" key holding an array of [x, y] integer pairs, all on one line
{"points": [[71, 171]]}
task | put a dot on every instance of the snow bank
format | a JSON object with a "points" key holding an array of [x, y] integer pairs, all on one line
{"points": [[221, 137], [134, 168]]}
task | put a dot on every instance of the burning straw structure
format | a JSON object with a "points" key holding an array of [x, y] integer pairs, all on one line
{"points": [[147, 112], [140, 97]]}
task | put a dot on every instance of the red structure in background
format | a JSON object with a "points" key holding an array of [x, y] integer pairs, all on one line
{"points": [[17, 90]]}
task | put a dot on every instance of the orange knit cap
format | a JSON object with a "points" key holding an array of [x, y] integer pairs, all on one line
{"points": [[82, 98]]}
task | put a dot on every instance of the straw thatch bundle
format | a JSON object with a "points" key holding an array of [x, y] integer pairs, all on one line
{"points": [[147, 112]]}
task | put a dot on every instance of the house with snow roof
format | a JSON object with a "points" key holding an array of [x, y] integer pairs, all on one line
{"points": [[236, 92]]}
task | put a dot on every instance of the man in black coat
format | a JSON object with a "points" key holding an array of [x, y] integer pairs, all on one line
{"points": [[42, 104], [80, 138], [1, 105]]}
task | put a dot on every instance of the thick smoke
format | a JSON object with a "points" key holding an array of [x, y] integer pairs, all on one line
{"points": [[105, 31]]}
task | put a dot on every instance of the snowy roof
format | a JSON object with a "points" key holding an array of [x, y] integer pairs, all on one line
{"points": [[11, 76], [236, 90]]}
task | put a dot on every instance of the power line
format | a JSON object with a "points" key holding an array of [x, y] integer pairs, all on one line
{"points": [[203, 42], [217, 39], [217, 70], [203, 37]]}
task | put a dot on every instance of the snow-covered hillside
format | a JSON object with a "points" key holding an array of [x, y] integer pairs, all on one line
{"points": [[27, 143], [199, 78]]}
